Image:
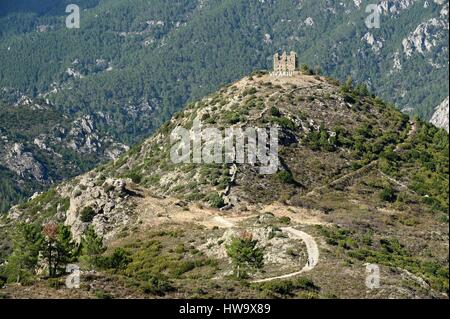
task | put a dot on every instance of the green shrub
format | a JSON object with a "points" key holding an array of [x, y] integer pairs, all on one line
{"points": [[322, 140], [245, 256], [285, 220], [275, 111], [180, 249], [182, 267], [349, 99], [286, 177], [232, 118], [305, 284], [362, 90], [249, 91], [388, 194], [157, 285], [87, 214], [304, 68], [216, 201], [392, 246], [286, 288], [107, 188], [119, 260], [100, 294], [135, 177], [283, 288], [284, 122]]}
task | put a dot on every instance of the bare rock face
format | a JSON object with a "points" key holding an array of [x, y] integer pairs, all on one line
{"points": [[85, 138], [106, 201], [23, 163], [428, 34], [395, 6], [440, 117]]}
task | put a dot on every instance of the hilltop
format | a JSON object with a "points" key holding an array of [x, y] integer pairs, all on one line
{"points": [[357, 182]]}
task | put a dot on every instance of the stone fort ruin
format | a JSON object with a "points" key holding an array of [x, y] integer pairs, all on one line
{"points": [[285, 64]]}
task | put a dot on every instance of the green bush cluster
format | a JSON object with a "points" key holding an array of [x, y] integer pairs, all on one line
{"points": [[87, 214], [286, 177], [388, 194], [287, 288], [215, 200], [321, 140], [387, 251]]}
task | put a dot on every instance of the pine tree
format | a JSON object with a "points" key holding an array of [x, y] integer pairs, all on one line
{"points": [[66, 248], [59, 248], [49, 247], [348, 85], [92, 246], [27, 242], [246, 257]]}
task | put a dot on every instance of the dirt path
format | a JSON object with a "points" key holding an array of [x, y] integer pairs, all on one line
{"points": [[345, 177], [223, 222], [311, 248], [398, 183], [313, 254]]}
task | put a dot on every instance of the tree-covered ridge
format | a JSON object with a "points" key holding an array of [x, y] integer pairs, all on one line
{"points": [[160, 43], [138, 62], [412, 154]]}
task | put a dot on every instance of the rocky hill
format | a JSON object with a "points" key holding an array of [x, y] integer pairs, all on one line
{"points": [[356, 183]]}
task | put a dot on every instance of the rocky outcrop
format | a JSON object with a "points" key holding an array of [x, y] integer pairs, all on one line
{"points": [[440, 117], [52, 151], [23, 163], [428, 34], [84, 137], [375, 44], [425, 37], [395, 6], [106, 203]]}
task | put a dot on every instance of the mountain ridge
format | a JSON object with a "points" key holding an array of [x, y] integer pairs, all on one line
{"points": [[356, 174], [130, 66]]}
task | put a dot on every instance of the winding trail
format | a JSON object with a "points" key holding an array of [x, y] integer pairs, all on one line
{"points": [[223, 222], [313, 255], [345, 177], [311, 248]]}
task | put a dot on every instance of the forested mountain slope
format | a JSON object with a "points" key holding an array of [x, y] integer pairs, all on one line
{"points": [[132, 64]]}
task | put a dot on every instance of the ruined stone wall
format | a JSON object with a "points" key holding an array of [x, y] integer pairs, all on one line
{"points": [[285, 62]]}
